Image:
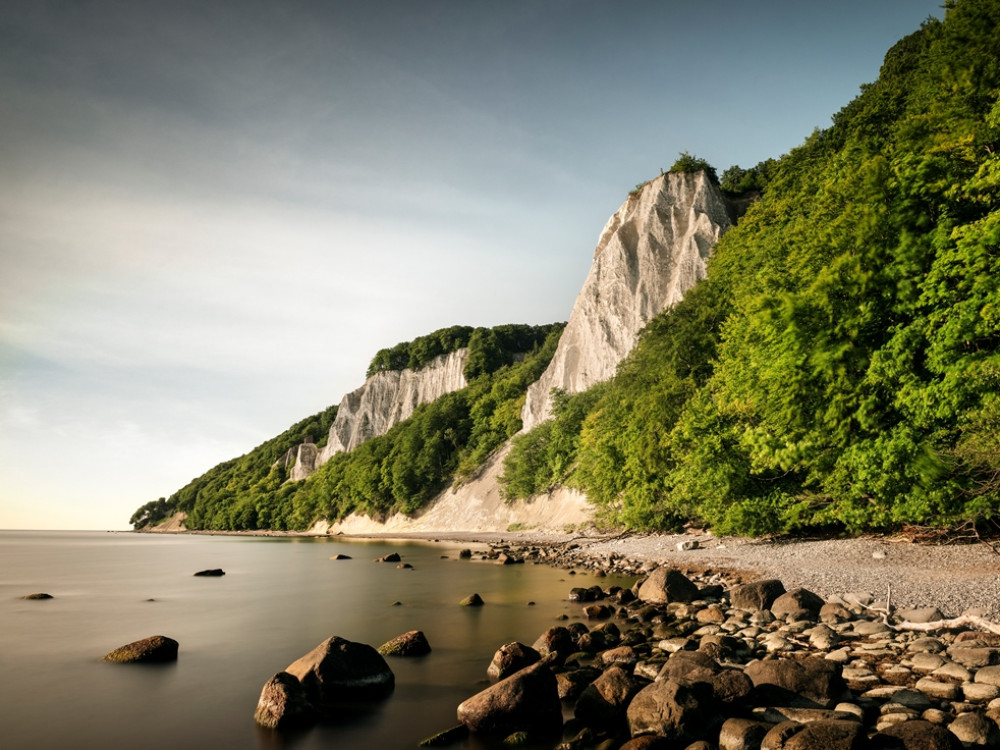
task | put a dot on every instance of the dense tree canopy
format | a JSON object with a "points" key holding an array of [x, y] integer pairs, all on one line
{"points": [[840, 368], [398, 471]]}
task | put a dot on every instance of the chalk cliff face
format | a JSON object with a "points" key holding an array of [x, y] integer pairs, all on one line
{"points": [[385, 399], [652, 250]]}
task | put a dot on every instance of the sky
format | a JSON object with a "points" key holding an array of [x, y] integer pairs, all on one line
{"points": [[213, 213]]}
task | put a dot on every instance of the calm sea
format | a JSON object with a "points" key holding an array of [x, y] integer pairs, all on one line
{"points": [[280, 597]]}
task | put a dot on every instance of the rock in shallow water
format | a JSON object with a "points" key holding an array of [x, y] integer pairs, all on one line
{"points": [[526, 701], [413, 643], [211, 573], [155, 649], [338, 669], [284, 704]]}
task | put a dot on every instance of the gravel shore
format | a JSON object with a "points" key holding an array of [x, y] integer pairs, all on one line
{"points": [[956, 578]]}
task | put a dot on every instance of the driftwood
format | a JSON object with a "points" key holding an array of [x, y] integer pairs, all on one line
{"points": [[965, 621]]}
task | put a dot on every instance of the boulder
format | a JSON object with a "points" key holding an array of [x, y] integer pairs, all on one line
{"points": [[817, 735], [813, 682], [756, 594], [665, 585], [742, 734], [527, 701], [155, 649], [412, 643], [392, 557], [916, 735], [339, 670], [38, 596], [602, 704], [472, 600], [284, 704], [976, 730], [211, 573], [556, 642], [680, 713], [799, 603], [511, 658]]}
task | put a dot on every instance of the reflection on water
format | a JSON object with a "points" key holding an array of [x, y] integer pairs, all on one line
{"points": [[279, 598]]}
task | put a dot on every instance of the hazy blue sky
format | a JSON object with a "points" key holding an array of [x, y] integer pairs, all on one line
{"points": [[212, 214]]}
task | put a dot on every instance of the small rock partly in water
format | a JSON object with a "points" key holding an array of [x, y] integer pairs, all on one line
{"points": [[284, 704], [391, 557], [340, 556], [155, 649], [472, 600], [413, 643], [38, 596], [211, 573], [447, 737]]}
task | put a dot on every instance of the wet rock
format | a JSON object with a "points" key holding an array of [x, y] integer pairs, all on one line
{"points": [[392, 557], [819, 735], [602, 704], [667, 585], [152, 650], [526, 701], [340, 556], [680, 713], [465, 554], [916, 735], [38, 596], [756, 595], [284, 704], [742, 734], [472, 600], [211, 573], [412, 643], [511, 658], [574, 681], [812, 682], [338, 669], [556, 642]]}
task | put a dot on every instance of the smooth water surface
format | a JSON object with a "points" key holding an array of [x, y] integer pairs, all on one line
{"points": [[280, 597]]}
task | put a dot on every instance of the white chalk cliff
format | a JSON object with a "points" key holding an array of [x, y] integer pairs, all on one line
{"points": [[385, 399], [651, 251]]}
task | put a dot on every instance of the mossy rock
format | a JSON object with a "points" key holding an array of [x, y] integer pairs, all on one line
{"points": [[155, 649]]}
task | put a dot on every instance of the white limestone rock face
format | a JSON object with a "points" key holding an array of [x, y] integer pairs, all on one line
{"points": [[388, 398], [652, 250]]}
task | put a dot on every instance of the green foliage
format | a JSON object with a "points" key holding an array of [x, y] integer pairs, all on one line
{"points": [[396, 472], [245, 492], [688, 163], [443, 440], [415, 354], [738, 181], [840, 369]]}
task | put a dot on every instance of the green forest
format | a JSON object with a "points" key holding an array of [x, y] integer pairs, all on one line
{"points": [[838, 371], [396, 472]]}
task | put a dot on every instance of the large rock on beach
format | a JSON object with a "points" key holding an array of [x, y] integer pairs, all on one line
{"points": [[555, 643], [412, 643], [152, 650], [917, 734], [342, 670], [756, 595], [813, 682], [602, 704], [817, 735], [526, 701], [511, 658], [284, 704], [797, 604], [680, 713], [665, 585]]}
